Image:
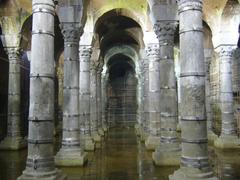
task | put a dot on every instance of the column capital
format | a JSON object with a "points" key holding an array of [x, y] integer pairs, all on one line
{"points": [[13, 52], [152, 50], [71, 32], [85, 51], [165, 30], [93, 65], [225, 51]]}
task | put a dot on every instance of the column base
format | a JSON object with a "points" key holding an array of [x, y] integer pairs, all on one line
{"points": [[13, 143], [188, 173], [101, 131], [167, 155], [227, 142], [96, 137], [34, 175], [70, 157], [152, 142], [212, 136]]}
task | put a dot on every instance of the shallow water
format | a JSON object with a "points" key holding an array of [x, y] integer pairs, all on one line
{"points": [[122, 157]]}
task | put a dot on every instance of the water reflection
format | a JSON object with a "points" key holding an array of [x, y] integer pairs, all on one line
{"points": [[122, 156], [227, 164], [12, 164]]}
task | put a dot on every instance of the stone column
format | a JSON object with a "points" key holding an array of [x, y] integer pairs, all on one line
{"points": [[99, 101], [154, 97], [194, 159], [228, 137], [138, 126], [104, 102], [93, 103], [71, 152], [168, 152], [14, 139], [145, 109], [84, 97], [40, 160], [146, 99], [208, 58]]}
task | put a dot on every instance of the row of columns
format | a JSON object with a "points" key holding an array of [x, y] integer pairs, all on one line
{"points": [[196, 124], [82, 117]]}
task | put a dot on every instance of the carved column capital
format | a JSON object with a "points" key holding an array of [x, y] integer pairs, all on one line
{"points": [[71, 32], [165, 30], [85, 51], [13, 52], [225, 51], [152, 50]]}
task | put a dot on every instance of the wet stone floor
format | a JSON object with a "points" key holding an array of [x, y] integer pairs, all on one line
{"points": [[121, 156]]}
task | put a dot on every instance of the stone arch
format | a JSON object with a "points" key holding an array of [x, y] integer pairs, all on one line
{"points": [[135, 33]]}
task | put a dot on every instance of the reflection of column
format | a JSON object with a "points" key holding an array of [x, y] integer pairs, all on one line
{"points": [[208, 57], [14, 139], [40, 160], [168, 152], [93, 103], [194, 159], [226, 164], [99, 101], [71, 152], [84, 97], [154, 97], [228, 137]]}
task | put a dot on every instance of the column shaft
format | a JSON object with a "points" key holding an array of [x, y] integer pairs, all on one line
{"points": [[104, 102], [40, 160], [93, 103], [154, 97], [208, 57], [194, 159], [168, 152], [228, 137], [14, 139], [140, 98], [99, 101], [84, 97], [71, 152]]}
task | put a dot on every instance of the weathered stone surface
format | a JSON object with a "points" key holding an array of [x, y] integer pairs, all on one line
{"points": [[194, 156], [71, 152], [40, 160]]}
